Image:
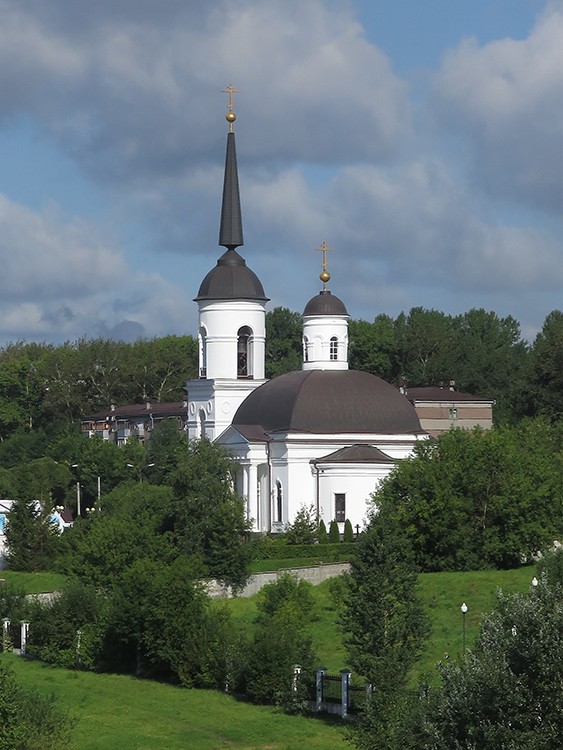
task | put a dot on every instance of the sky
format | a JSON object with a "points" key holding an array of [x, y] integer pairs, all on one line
{"points": [[422, 141]]}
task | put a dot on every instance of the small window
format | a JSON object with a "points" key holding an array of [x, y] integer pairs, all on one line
{"points": [[340, 507], [279, 502], [202, 352], [453, 413], [334, 348]]}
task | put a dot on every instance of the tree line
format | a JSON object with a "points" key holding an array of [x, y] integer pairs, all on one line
{"points": [[43, 385], [484, 354]]}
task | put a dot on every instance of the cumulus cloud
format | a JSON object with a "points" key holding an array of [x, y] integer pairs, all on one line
{"points": [[61, 281], [331, 143], [40, 255], [132, 93], [506, 100], [402, 227]]}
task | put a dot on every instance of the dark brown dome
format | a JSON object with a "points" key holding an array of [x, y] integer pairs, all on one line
{"points": [[231, 279], [328, 402], [325, 303]]}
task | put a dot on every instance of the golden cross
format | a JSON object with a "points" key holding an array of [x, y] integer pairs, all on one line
{"points": [[231, 117], [325, 276]]}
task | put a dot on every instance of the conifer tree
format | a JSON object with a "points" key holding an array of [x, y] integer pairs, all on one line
{"points": [[333, 533], [31, 538], [322, 535]]}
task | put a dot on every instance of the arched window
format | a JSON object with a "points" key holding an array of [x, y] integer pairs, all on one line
{"points": [[334, 348], [279, 502], [243, 352], [201, 424], [305, 349], [202, 352]]}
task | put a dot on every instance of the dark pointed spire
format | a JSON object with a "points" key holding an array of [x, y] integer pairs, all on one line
{"points": [[230, 234]]}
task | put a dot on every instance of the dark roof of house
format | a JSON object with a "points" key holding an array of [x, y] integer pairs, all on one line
{"points": [[327, 402], [325, 303], [131, 411], [66, 515], [356, 454], [231, 279], [435, 393]]}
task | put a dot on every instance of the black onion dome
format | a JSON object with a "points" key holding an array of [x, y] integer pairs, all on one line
{"points": [[325, 303], [328, 402], [231, 279]]}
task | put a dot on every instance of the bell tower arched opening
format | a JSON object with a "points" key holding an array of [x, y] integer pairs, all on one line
{"points": [[244, 352]]}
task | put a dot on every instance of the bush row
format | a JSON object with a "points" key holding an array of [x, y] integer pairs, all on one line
{"points": [[278, 549]]}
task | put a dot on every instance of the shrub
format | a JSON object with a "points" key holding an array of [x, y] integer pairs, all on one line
{"points": [[54, 627], [278, 549], [348, 531], [507, 693], [304, 528], [27, 719], [281, 640], [322, 535], [333, 533], [551, 566]]}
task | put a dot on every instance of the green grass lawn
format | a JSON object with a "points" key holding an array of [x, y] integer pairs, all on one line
{"points": [[116, 712], [34, 583], [121, 712], [443, 594]]}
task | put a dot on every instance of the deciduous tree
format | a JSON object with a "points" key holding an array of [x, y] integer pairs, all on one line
{"points": [[507, 692], [209, 516]]}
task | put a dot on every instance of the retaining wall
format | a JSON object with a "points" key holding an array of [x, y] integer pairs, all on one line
{"points": [[314, 574]]}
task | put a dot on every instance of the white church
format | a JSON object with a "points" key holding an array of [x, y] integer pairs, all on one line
{"points": [[323, 436]]}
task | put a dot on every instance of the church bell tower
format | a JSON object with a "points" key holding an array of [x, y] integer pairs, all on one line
{"points": [[325, 327], [232, 319]]}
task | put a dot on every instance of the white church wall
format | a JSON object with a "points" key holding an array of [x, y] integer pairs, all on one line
{"points": [[317, 334], [356, 482], [221, 320], [278, 478]]}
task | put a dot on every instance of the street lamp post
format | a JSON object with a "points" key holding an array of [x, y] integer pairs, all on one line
{"points": [[464, 615], [148, 466], [78, 509]]}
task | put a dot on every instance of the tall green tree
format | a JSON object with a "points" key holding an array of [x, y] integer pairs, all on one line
{"points": [[547, 367], [491, 359], [284, 349], [372, 347], [383, 623], [479, 499], [209, 516], [383, 620], [32, 540], [424, 346]]}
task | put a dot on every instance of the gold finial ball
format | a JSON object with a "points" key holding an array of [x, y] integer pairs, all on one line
{"points": [[324, 276], [230, 117]]}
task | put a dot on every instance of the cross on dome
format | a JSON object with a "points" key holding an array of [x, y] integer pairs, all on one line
{"points": [[324, 276], [230, 116]]}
